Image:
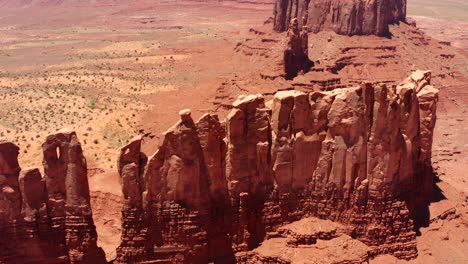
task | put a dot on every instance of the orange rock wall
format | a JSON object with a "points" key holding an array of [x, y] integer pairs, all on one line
{"points": [[214, 190], [346, 17]]}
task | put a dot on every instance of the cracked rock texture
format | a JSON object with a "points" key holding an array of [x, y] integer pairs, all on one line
{"points": [[215, 190]]}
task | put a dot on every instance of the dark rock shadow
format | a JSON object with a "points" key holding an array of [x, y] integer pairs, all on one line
{"points": [[421, 212]]}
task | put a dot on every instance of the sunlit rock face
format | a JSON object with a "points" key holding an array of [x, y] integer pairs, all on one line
{"points": [[346, 17], [215, 190]]}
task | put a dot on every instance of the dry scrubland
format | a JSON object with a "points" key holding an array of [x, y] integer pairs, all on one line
{"points": [[97, 74], [445, 20], [454, 10], [92, 85]]}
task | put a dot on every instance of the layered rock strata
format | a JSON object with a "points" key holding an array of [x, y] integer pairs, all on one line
{"points": [[184, 196], [215, 190], [47, 220], [347, 17]]}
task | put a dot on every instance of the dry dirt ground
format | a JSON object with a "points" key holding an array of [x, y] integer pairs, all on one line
{"points": [[442, 19], [113, 71]]}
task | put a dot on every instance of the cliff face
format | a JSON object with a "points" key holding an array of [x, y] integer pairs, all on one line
{"points": [[347, 17], [47, 220], [215, 190]]}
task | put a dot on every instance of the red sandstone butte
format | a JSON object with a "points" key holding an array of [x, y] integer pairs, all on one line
{"points": [[346, 17], [214, 191]]}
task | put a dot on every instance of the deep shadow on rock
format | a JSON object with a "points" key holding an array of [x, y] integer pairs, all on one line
{"points": [[47, 220]]}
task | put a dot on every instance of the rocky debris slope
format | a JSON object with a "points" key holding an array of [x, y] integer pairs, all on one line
{"points": [[342, 61], [311, 240], [47, 220], [347, 17], [215, 190]]}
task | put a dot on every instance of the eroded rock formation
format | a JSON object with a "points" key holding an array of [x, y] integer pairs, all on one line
{"points": [[131, 164], [347, 17], [10, 198], [296, 55], [185, 189], [313, 241], [47, 220], [215, 190]]}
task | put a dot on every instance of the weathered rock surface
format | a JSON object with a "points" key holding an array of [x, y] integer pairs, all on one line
{"points": [[215, 190], [359, 158], [10, 197], [296, 55], [47, 220], [310, 240], [347, 17], [185, 187], [342, 249], [9, 172], [310, 229], [131, 164]]}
